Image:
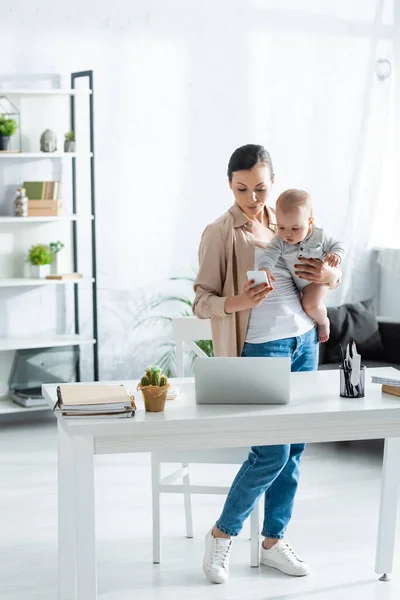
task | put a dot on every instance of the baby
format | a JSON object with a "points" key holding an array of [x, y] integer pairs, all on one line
{"points": [[297, 237]]}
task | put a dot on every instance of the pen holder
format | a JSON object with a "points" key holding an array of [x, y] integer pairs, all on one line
{"points": [[347, 390]]}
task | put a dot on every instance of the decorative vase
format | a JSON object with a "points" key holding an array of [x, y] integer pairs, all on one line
{"points": [[21, 203], [40, 271], [154, 397], [54, 267], [69, 145], [48, 141], [4, 143]]}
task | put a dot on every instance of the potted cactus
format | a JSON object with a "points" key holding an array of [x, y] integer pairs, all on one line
{"points": [[154, 386]]}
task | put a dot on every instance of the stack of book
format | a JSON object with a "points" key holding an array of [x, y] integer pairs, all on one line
{"points": [[93, 400], [389, 384], [43, 198]]}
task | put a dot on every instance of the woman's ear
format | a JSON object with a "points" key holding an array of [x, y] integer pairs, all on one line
{"points": [[311, 221], [230, 183]]}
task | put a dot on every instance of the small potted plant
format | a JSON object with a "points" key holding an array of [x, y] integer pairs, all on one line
{"points": [[40, 258], [55, 248], [7, 128], [154, 386], [69, 142]]}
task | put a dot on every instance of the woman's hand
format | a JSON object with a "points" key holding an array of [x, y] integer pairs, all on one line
{"points": [[249, 298], [316, 271], [255, 295]]}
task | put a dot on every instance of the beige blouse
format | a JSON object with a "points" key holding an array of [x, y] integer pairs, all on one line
{"points": [[226, 253]]}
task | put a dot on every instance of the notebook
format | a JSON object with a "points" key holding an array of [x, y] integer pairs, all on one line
{"points": [[94, 399], [386, 381]]}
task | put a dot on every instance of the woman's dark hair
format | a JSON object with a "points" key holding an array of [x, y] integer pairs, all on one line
{"points": [[248, 156]]}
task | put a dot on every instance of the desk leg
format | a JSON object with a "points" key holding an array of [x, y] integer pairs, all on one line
{"points": [[66, 517], [86, 580], [388, 508]]}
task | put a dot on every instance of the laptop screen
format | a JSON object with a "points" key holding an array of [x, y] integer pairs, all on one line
{"points": [[32, 368]]}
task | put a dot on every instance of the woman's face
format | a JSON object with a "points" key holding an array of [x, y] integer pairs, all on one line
{"points": [[251, 189]]}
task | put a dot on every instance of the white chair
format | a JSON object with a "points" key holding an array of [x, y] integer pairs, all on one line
{"points": [[186, 330]]}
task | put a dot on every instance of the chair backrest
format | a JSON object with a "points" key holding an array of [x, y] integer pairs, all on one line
{"points": [[187, 330]]}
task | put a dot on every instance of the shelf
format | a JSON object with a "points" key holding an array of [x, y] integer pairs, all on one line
{"points": [[51, 341], [8, 407], [44, 92], [41, 155], [31, 220], [31, 282]]}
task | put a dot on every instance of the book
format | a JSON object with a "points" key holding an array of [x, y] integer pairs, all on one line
{"points": [[386, 381], [35, 190], [391, 389], [94, 399], [42, 190], [65, 276]]}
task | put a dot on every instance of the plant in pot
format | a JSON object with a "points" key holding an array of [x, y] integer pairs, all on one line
{"points": [[69, 142], [154, 386], [40, 258], [7, 128], [55, 248]]}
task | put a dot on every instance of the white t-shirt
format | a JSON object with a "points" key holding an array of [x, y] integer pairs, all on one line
{"points": [[280, 315]]}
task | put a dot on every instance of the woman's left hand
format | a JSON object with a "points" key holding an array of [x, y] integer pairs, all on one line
{"points": [[316, 271]]}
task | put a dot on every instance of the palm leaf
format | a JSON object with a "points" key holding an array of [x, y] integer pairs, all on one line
{"points": [[167, 361], [161, 301], [152, 320]]}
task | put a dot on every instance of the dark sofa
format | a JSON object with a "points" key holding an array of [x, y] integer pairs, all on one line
{"points": [[378, 341]]}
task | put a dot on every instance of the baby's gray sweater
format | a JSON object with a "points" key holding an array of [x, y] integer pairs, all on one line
{"points": [[316, 245]]}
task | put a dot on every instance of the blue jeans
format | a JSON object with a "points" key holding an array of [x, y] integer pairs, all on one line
{"points": [[270, 470]]}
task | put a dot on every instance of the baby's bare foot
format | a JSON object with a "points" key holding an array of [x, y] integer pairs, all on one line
{"points": [[323, 331]]}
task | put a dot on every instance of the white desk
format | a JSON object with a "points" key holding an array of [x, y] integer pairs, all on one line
{"points": [[316, 414]]}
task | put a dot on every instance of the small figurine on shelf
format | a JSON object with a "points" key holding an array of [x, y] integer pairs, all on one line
{"points": [[21, 203], [48, 141], [69, 142], [40, 258], [55, 248], [154, 386]]}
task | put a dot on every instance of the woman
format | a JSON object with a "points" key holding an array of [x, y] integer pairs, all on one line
{"points": [[255, 321]]}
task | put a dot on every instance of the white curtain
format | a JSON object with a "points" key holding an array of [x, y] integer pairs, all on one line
{"points": [[323, 112]]}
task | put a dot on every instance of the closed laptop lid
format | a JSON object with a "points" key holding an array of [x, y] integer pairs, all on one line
{"points": [[258, 380]]}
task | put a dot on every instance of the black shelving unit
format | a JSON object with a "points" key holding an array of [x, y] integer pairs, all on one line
{"points": [[74, 77]]}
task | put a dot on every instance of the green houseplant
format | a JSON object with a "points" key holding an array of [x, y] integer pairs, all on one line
{"points": [[154, 386], [69, 142], [7, 128], [40, 257]]}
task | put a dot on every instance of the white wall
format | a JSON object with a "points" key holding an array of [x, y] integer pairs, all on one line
{"points": [[178, 86]]}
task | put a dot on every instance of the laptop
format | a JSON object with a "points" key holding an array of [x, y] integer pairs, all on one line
{"points": [[32, 368], [242, 380]]}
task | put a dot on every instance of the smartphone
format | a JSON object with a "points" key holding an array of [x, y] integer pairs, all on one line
{"points": [[259, 277]]}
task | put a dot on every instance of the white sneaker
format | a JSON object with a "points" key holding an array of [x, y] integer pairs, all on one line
{"points": [[282, 557], [216, 558]]}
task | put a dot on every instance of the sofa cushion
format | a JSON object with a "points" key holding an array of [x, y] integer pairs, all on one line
{"points": [[354, 322]]}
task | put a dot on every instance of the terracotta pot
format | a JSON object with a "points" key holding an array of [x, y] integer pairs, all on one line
{"points": [[154, 397]]}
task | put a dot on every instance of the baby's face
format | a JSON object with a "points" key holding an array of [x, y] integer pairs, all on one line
{"points": [[293, 226]]}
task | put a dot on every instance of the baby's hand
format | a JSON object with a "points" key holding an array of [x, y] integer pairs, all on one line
{"points": [[332, 259], [269, 274]]}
